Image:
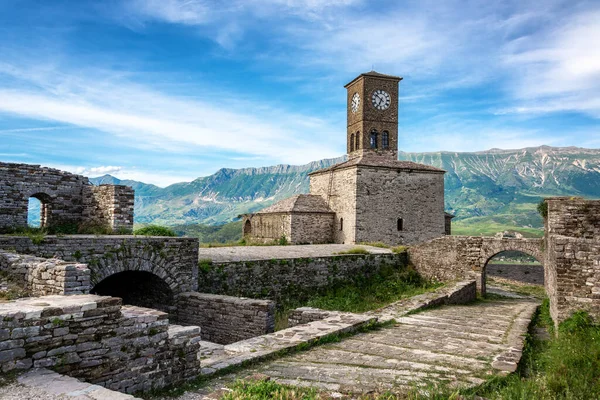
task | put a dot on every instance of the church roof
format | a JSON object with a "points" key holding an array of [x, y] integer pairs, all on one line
{"points": [[376, 75], [379, 161], [299, 203]]}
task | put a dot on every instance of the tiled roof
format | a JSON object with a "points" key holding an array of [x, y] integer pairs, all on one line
{"points": [[379, 161], [299, 203]]}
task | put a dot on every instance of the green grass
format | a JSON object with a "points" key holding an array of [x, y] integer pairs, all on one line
{"points": [[363, 294], [354, 250], [154, 230], [481, 226]]}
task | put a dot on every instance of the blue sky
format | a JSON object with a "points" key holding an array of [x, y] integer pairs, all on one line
{"points": [[168, 90]]}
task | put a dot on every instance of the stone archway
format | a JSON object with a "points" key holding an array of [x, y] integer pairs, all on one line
{"points": [[138, 288], [247, 228], [45, 207], [491, 247]]}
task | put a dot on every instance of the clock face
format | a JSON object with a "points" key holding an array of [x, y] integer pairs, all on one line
{"points": [[355, 102], [381, 99]]}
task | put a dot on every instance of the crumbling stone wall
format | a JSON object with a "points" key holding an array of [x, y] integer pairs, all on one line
{"points": [[291, 278], [174, 260], [68, 200], [93, 338], [226, 319], [573, 257], [42, 276]]}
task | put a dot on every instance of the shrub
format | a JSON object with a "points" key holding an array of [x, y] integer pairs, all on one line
{"points": [[282, 241], [355, 250], [542, 208], [94, 228], [154, 230], [399, 249]]}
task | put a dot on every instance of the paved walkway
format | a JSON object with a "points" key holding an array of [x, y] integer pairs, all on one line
{"points": [[458, 345], [254, 253]]}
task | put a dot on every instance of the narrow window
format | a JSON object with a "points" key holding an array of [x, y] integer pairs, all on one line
{"points": [[352, 142], [385, 140], [373, 139], [341, 224], [400, 224], [357, 140]]}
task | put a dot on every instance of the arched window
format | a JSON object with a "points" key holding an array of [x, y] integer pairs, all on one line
{"points": [[247, 227], [341, 224], [374, 139], [352, 142], [38, 210], [357, 140], [385, 140], [400, 224]]}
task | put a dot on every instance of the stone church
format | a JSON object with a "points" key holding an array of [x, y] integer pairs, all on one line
{"points": [[371, 197]]}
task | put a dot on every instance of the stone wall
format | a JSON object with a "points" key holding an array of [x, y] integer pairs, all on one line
{"points": [[41, 276], [93, 338], [312, 228], [530, 274], [291, 278], [174, 260], [573, 257], [386, 195], [341, 199], [226, 319], [267, 228], [68, 201], [109, 205]]}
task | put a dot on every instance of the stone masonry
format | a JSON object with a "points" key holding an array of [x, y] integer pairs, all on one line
{"points": [[226, 319], [174, 260], [94, 338], [68, 201], [572, 268], [42, 276]]}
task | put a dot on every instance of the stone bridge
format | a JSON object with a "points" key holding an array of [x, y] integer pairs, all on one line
{"points": [[458, 257]]}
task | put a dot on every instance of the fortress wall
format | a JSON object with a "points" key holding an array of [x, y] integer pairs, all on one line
{"points": [[291, 278], [173, 259], [226, 319]]}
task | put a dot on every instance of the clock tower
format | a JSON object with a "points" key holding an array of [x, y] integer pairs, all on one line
{"points": [[373, 115]]}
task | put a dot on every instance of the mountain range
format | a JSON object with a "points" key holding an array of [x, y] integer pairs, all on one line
{"points": [[488, 191]]}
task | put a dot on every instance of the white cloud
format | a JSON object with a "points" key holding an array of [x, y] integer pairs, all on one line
{"points": [[558, 69], [158, 120], [95, 171]]}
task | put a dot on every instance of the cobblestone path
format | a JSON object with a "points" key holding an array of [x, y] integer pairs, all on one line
{"points": [[460, 345]]}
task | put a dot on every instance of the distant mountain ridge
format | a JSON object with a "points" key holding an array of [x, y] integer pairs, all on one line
{"points": [[502, 186]]}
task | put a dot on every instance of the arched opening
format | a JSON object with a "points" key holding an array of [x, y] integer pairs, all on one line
{"points": [[373, 140], [247, 227], [341, 224], [34, 209], [357, 140], [352, 142], [137, 288], [400, 224], [38, 210], [385, 140], [513, 270]]}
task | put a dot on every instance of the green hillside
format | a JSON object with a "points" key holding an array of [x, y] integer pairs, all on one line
{"points": [[488, 191]]}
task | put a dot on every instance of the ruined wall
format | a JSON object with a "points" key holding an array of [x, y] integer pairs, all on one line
{"points": [[226, 319], [573, 254], [109, 205], [269, 227], [174, 260], [384, 195], [93, 338], [69, 201], [292, 278], [341, 199], [41, 276], [312, 228]]}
